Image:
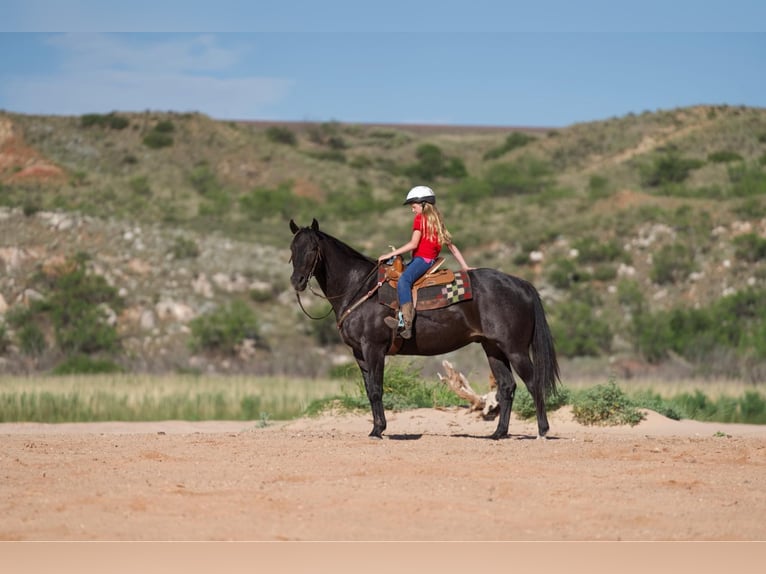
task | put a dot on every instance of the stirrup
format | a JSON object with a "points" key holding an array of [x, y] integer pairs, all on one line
{"points": [[394, 322]]}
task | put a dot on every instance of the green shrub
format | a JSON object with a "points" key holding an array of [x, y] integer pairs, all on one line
{"points": [[157, 140], [76, 307], [165, 127], [85, 365], [281, 135], [750, 247], [112, 121], [724, 156], [524, 405], [224, 329], [653, 401], [469, 191], [605, 405], [203, 179], [564, 273], [31, 340], [672, 263], [669, 168], [5, 339], [217, 204], [524, 176], [184, 248], [598, 187], [140, 186], [594, 250], [513, 141], [579, 331], [736, 323], [747, 180], [432, 164]]}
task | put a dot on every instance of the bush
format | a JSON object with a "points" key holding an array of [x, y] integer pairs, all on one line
{"points": [[593, 250], [432, 164], [31, 340], [736, 323], [140, 186], [670, 168], [203, 179], [111, 121], [598, 187], [84, 365], [747, 181], [563, 274], [513, 141], [157, 140], [5, 340], [724, 156], [224, 329], [281, 135], [184, 248], [605, 405], [578, 331], [524, 405], [671, 264], [750, 247], [525, 176], [165, 127]]}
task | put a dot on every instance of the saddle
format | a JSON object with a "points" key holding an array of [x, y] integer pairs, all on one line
{"points": [[436, 288], [432, 276]]}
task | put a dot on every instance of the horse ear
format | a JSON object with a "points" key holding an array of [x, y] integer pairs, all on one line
{"points": [[293, 227], [315, 224]]}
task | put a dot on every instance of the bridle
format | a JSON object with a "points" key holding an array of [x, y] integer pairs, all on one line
{"points": [[349, 309]]}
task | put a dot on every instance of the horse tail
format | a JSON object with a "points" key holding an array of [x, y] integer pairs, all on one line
{"points": [[544, 361]]}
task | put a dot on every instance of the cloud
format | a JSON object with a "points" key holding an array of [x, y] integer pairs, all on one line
{"points": [[135, 72]]}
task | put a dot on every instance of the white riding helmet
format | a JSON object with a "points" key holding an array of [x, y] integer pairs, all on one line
{"points": [[421, 194]]}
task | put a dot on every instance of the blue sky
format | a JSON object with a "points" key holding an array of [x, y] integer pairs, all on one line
{"points": [[473, 62]]}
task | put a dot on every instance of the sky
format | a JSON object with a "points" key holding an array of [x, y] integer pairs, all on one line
{"points": [[546, 63]]}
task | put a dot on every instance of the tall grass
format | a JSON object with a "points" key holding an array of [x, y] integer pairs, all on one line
{"points": [[94, 398]]}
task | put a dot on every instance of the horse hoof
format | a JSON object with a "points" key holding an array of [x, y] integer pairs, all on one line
{"points": [[498, 435]]}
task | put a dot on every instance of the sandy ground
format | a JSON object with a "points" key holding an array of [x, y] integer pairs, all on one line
{"points": [[433, 477]]}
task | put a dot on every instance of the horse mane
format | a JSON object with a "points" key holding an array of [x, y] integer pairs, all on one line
{"points": [[344, 247]]}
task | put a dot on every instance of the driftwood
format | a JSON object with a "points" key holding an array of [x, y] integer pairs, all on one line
{"points": [[487, 404]]}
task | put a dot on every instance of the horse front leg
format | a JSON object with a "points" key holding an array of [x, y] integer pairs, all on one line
{"points": [[372, 366]]}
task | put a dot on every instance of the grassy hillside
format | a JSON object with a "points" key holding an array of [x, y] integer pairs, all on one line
{"points": [[637, 230]]}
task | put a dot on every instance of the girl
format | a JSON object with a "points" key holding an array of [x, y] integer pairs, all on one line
{"points": [[428, 235]]}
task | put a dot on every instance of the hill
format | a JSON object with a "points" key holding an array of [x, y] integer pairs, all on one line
{"points": [[625, 225]]}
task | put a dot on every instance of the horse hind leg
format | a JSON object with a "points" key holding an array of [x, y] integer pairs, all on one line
{"points": [[506, 390], [523, 366]]}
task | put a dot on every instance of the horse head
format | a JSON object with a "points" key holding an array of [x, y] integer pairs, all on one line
{"points": [[304, 253]]}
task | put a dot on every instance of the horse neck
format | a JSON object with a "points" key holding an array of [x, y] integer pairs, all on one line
{"points": [[340, 274]]}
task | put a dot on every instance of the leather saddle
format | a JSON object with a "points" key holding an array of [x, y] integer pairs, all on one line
{"points": [[433, 276]]}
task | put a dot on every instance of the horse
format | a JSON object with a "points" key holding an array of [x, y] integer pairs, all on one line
{"points": [[505, 316]]}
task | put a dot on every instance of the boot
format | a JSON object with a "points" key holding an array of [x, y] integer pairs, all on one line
{"points": [[408, 313], [392, 322]]}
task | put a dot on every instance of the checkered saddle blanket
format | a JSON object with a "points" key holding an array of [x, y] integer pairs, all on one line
{"points": [[432, 291]]}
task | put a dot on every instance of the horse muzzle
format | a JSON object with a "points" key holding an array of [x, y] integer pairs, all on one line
{"points": [[299, 281]]}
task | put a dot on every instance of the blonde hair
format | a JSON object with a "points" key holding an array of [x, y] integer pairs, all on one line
{"points": [[433, 225]]}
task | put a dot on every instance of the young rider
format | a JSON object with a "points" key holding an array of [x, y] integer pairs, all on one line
{"points": [[429, 234]]}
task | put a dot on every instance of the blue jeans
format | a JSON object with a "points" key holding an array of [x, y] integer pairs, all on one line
{"points": [[415, 269]]}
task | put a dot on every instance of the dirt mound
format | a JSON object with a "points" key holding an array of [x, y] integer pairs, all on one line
{"points": [[21, 163]]}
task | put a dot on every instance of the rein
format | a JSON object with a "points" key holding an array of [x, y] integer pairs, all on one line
{"points": [[351, 308]]}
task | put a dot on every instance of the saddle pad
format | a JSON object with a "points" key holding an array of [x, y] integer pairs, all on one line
{"points": [[432, 297]]}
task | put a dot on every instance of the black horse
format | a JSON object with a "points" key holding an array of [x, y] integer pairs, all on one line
{"points": [[505, 316]]}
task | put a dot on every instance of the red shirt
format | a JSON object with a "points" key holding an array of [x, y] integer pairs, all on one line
{"points": [[429, 247]]}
